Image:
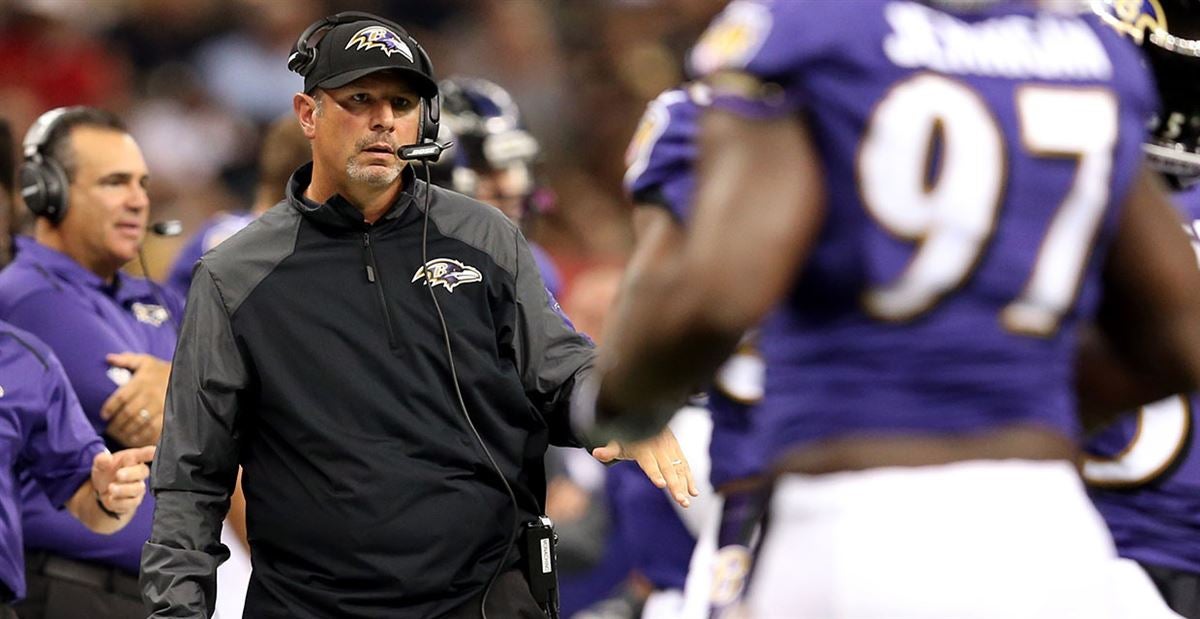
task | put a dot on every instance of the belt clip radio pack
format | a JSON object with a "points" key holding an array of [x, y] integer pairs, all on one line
{"points": [[539, 555]]}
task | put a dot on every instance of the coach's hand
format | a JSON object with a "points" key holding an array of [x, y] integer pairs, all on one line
{"points": [[660, 458], [134, 411], [117, 487]]}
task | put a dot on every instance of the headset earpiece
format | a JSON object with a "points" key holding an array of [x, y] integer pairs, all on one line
{"points": [[302, 60], [432, 106], [43, 180]]}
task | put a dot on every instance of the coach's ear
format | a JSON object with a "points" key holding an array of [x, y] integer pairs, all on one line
{"points": [[305, 107]]}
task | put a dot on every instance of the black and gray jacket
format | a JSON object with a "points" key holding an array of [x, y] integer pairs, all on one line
{"points": [[312, 355]]}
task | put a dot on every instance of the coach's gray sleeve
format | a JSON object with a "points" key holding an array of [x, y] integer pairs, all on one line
{"points": [[553, 357], [196, 465]]}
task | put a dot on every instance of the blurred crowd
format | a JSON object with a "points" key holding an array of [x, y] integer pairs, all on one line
{"points": [[198, 81]]}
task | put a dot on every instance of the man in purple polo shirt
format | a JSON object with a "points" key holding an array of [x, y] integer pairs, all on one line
{"points": [[84, 177], [45, 437]]}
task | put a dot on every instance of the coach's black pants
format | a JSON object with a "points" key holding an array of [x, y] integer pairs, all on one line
{"points": [[6, 600], [509, 599], [58, 588]]}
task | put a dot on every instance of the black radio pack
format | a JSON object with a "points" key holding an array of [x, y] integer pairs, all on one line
{"points": [[539, 555]]}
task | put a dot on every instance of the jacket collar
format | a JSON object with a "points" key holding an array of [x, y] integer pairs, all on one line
{"points": [[337, 212]]}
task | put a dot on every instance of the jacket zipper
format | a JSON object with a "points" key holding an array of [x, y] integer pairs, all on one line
{"points": [[373, 277]]}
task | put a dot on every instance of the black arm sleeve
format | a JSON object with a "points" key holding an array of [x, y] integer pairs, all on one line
{"points": [[553, 355], [196, 464]]}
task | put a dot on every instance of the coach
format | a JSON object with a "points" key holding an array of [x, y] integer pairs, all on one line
{"points": [[84, 177], [382, 359]]}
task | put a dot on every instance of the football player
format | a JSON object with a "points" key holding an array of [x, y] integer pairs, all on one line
{"points": [[659, 178], [921, 200], [1143, 471], [493, 157]]}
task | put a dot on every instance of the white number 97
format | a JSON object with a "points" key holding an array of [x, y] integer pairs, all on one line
{"points": [[949, 212]]}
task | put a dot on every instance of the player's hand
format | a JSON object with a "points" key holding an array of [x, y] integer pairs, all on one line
{"points": [[120, 478], [661, 459], [135, 410]]}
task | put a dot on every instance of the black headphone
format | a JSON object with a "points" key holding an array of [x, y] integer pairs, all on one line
{"points": [[304, 59], [43, 180]]}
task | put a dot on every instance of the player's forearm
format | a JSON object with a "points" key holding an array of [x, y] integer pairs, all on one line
{"points": [[755, 216], [664, 346], [1147, 340]]}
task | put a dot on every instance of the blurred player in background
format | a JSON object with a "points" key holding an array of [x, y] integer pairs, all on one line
{"points": [[1144, 470], [494, 160], [929, 205], [493, 157], [283, 149]]}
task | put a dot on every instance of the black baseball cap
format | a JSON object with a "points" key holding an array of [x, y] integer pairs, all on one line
{"points": [[354, 49]]}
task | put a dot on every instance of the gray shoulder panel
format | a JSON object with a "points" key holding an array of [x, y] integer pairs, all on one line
{"points": [[243, 260], [479, 225]]}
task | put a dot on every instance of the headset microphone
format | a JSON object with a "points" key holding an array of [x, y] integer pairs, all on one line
{"points": [[429, 151], [169, 227]]}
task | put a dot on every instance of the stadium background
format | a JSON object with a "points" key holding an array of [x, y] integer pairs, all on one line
{"points": [[199, 79]]}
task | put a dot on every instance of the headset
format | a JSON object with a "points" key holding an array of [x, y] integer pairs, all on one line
{"points": [[304, 59], [43, 179]]}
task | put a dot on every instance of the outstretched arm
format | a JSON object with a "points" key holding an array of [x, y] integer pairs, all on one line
{"points": [[1145, 345], [759, 204]]}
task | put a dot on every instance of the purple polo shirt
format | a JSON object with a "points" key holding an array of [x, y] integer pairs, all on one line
{"points": [[43, 433], [83, 319]]}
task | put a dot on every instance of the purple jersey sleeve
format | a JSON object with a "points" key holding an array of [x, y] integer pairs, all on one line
{"points": [[551, 278], [660, 157], [756, 54], [60, 445], [213, 233], [179, 278]]}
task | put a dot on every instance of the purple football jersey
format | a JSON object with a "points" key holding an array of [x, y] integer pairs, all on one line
{"points": [[660, 158], [218, 228], [660, 172], [973, 163], [1144, 472]]}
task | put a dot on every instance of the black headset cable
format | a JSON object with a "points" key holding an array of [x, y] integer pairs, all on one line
{"points": [[512, 538]]}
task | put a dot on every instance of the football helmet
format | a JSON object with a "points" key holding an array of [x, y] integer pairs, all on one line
{"points": [[1169, 33], [493, 155]]}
